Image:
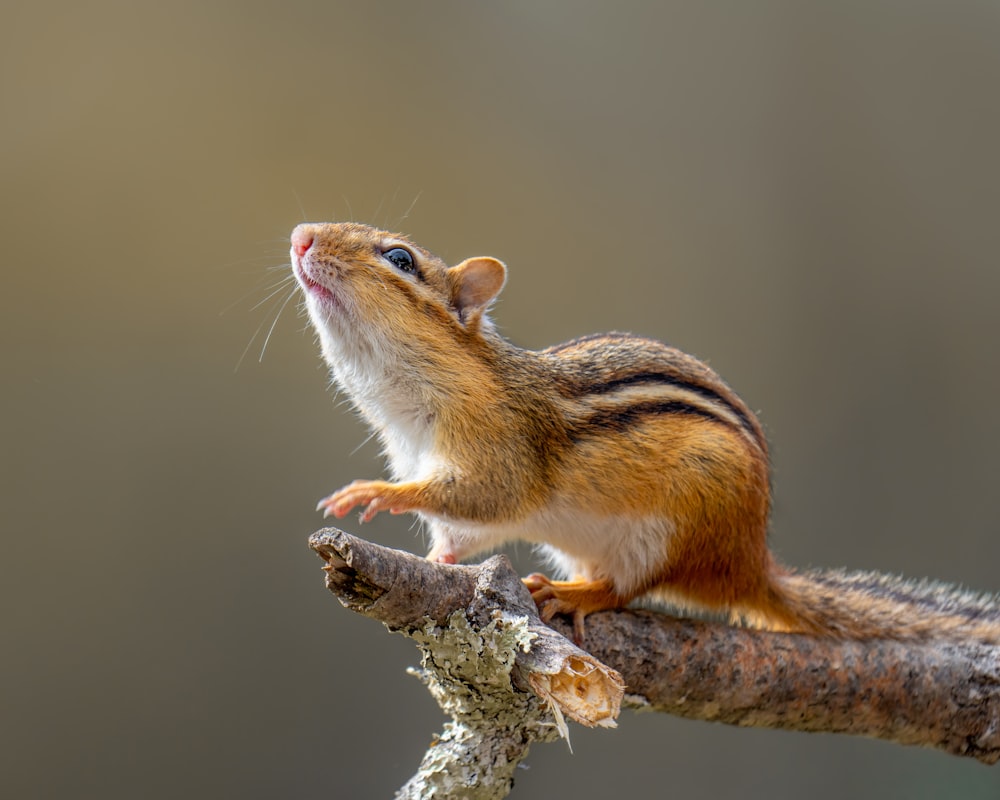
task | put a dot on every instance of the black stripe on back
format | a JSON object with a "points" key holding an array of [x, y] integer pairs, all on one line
{"points": [[621, 419], [664, 379]]}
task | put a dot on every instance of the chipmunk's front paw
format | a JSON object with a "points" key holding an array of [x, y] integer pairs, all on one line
{"points": [[375, 496]]}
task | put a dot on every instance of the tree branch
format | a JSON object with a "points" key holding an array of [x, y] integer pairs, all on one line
{"points": [[506, 679], [944, 695]]}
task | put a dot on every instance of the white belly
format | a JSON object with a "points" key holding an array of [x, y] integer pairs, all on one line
{"points": [[626, 550]]}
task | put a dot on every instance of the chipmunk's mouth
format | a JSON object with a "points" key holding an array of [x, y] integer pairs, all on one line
{"points": [[311, 286]]}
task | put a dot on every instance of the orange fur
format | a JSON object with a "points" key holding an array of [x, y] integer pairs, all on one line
{"points": [[632, 464]]}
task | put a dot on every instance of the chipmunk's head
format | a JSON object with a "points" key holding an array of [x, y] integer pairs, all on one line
{"points": [[380, 295]]}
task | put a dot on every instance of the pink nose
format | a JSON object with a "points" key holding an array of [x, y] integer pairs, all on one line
{"points": [[302, 240]]}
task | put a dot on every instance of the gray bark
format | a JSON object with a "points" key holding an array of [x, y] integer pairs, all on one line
{"points": [[506, 680]]}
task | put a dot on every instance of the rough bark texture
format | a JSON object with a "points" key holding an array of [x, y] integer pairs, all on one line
{"points": [[418, 598], [506, 679], [943, 695]]}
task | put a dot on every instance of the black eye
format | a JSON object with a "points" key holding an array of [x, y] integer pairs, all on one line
{"points": [[401, 259]]}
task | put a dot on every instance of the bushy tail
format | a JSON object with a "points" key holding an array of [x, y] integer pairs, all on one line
{"points": [[870, 605]]}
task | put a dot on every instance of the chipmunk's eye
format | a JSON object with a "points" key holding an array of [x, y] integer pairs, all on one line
{"points": [[401, 259]]}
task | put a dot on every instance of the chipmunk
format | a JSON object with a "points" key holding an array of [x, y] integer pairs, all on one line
{"points": [[633, 465]]}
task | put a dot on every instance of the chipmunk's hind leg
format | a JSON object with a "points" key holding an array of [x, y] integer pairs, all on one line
{"points": [[576, 598]]}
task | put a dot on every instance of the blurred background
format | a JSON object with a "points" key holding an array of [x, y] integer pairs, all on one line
{"points": [[805, 194]]}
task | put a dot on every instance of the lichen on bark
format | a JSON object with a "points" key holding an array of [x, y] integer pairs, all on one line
{"points": [[493, 723]]}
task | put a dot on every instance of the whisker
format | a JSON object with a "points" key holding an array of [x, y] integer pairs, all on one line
{"points": [[251, 261], [392, 201], [378, 208], [411, 206], [365, 441], [292, 292], [256, 288], [246, 349], [277, 288]]}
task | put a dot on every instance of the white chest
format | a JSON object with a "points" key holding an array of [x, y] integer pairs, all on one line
{"points": [[388, 399]]}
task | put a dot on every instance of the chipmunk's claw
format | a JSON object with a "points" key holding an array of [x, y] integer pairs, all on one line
{"points": [[576, 598], [367, 493]]}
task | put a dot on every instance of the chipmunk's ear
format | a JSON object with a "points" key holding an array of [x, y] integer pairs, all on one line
{"points": [[475, 283]]}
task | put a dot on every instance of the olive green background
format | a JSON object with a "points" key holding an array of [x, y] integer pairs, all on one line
{"points": [[805, 194]]}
